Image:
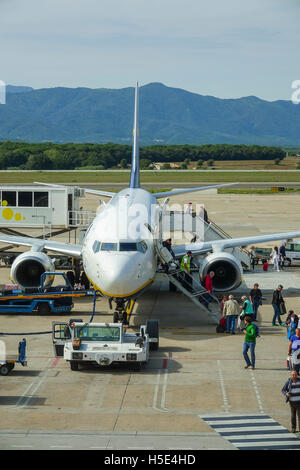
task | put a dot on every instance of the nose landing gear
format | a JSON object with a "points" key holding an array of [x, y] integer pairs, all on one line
{"points": [[123, 310]]}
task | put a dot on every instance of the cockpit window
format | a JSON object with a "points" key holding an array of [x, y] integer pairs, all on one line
{"points": [[123, 246], [109, 246], [142, 246], [96, 246], [128, 247]]}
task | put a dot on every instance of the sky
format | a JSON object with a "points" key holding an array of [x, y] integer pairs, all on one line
{"points": [[223, 48]]}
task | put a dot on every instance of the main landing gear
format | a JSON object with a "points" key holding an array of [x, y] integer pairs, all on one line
{"points": [[123, 310]]}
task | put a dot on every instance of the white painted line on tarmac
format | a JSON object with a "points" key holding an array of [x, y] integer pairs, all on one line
{"points": [[227, 407], [100, 447], [32, 388], [228, 429], [180, 448], [22, 447], [140, 448], [236, 421], [61, 447], [270, 436], [163, 392], [269, 444], [259, 400]]}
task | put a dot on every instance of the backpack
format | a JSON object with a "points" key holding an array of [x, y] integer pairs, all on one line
{"points": [[256, 330]]}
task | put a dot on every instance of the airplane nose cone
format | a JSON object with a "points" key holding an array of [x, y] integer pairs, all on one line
{"points": [[121, 276]]}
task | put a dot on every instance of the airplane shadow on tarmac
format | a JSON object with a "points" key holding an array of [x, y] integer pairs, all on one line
{"points": [[154, 364]]}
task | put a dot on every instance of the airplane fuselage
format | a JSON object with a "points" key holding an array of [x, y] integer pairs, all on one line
{"points": [[118, 251]]}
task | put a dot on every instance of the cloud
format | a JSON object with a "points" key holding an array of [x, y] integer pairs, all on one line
{"points": [[214, 47]]}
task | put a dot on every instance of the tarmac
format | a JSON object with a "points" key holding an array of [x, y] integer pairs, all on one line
{"points": [[193, 394]]}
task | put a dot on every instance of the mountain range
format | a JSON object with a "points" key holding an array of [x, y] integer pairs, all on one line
{"points": [[167, 116]]}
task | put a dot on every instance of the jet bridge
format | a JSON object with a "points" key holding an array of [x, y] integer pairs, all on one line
{"points": [[53, 210], [40, 206]]}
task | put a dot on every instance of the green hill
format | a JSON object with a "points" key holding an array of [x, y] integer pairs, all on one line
{"points": [[167, 116]]}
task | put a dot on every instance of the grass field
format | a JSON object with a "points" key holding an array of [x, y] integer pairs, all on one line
{"points": [[106, 177], [288, 163], [256, 191]]}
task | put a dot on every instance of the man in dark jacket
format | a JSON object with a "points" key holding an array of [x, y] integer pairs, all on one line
{"points": [[277, 303], [255, 298], [282, 255], [168, 244]]}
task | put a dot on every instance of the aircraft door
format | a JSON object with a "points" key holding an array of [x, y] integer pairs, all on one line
{"points": [[61, 333]]}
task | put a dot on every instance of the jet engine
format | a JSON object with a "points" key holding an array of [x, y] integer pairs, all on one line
{"points": [[28, 267], [227, 268]]}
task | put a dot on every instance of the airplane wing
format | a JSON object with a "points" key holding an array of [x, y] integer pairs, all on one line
{"points": [[99, 193], [198, 248], [190, 190], [90, 191], [40, 244]]}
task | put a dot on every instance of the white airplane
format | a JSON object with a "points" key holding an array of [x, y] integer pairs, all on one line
{"points": [[122, 247]]}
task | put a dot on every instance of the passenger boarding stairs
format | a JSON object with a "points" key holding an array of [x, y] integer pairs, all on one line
{"points": [[188, 285]]}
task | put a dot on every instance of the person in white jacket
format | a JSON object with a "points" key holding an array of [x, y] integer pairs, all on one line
{"points": [[275, 258], [231, 310]]}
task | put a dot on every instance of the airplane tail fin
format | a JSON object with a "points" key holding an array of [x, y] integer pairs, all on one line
{"points": [[135, 162]]}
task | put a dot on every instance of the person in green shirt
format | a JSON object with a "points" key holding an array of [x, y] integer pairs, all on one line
{"points": [[249, 343]]}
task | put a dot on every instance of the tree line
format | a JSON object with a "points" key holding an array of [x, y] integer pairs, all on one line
{"points": [[50, 156]]}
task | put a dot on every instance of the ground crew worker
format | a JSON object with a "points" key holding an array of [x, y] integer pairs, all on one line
{"points": [[185, 267]]}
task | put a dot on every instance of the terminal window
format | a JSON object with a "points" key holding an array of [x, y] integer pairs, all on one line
{"points": [[25, 199], [10, 197], [41, 199]]}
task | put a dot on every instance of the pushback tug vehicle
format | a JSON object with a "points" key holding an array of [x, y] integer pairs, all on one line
{"points": [[104, 344]]}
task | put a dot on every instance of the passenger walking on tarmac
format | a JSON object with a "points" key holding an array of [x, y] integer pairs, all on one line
{"points": [[291, 323], [222, 303], [185, 267], [291, 391], [282, 255], [294, 350], [252, 256], [278, 306], [231, 311], [247, 308], [249, 343], [255, 299], [275, 258]]}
